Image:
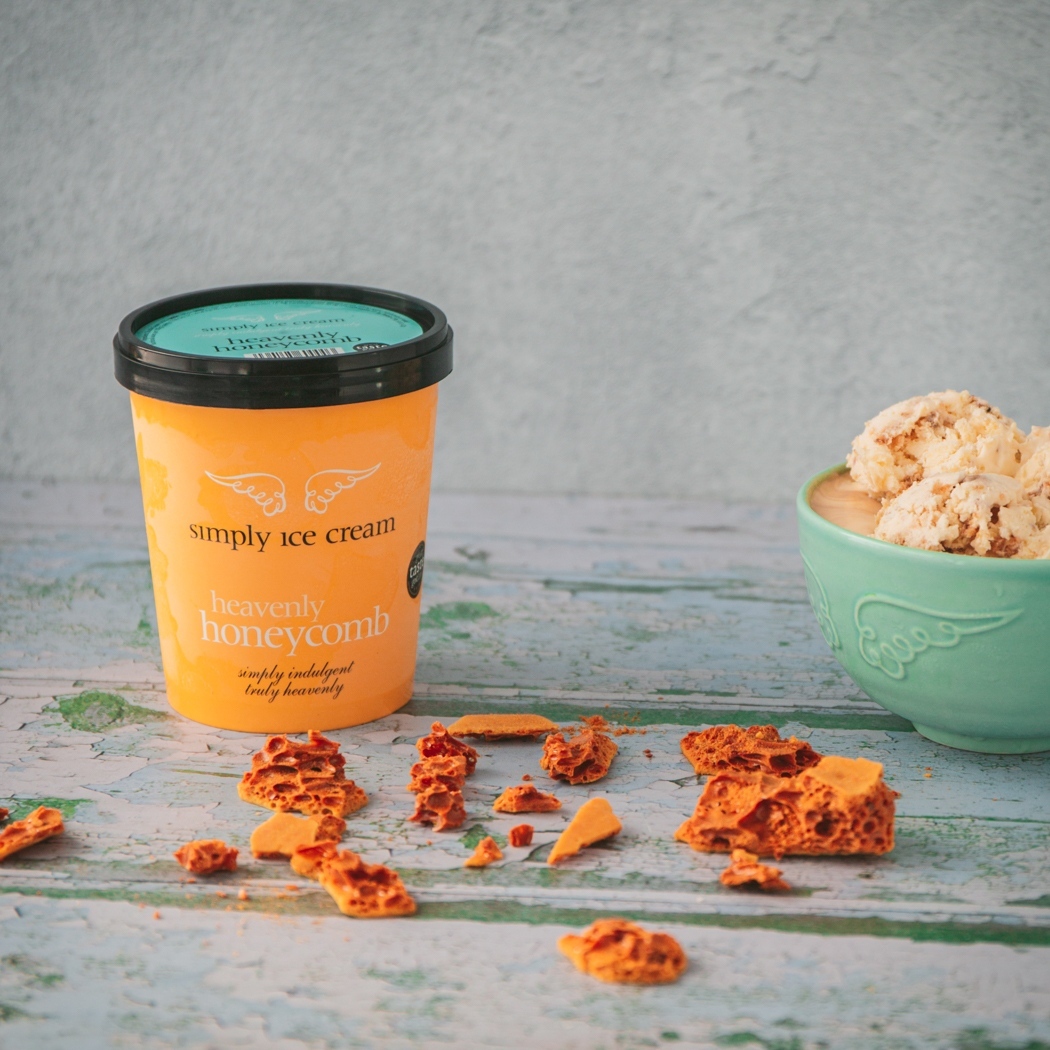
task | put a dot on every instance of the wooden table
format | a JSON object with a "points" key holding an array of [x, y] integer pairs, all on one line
{"points": [[661, 616]]}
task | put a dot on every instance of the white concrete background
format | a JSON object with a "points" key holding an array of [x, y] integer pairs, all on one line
{"points": [[688, 247]]}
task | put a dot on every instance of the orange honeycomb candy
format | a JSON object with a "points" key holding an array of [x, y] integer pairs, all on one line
{"points": [[449, 771], [622, 952], [441, 806], [307, 860], [744, 870], [525, 798], [583, 759], [440, 742], [840, 805], [281, 835], [520, 835], [4, 814], [364, 891], [41, 824], [485, 852], [757, 749], [502, 727], [206, 856], [290, 775]]}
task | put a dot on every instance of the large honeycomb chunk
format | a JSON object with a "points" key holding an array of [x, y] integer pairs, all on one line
{"points": [[757, 749], [440, 742], [206, 856], [745, 870], [41, 824], [364, 891], [441, 806], [582, 759], [525, 798], [622, 952], [290, 775], [840, 805]]}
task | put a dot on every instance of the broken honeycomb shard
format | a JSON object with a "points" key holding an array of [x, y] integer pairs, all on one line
{"points": [[757, 749], [745, 870], [502, 726], [582, 759], [440, 742], [448, 771], [283, 833], [623, 952], [364, 891], [485, 852], [592, 822], [840, 805], [441, 806], [306, 777], [525, 798], [207, 856], [307, 860], [520, 835], [42, 823]]}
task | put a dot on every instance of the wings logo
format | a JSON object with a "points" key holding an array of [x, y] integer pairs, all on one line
{"points": [[265, 489], [268, 491], [325, 485]]}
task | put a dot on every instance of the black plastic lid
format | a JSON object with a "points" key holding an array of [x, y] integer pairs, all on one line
{"points": [[283, 381]]}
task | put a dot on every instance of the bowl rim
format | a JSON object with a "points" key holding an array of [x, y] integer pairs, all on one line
{"points": [[839, 534]]}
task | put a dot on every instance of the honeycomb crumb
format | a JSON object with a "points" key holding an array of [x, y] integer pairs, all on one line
{"points": [[502, 727], [443, 807], [745, 870], [42, 823], [485, 852], [4, 814], [840, 805], [622, 952], [440, 742], [307, 860], [242, 894], [583, 759], [593, 821], [284, 833], [525, 798], [364, 891], [526, 776], [449, 771], [757, 749], [290, 775], [206, 856], [520, 835]]}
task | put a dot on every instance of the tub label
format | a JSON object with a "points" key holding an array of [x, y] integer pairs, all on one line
{"points": [[276, 329]]}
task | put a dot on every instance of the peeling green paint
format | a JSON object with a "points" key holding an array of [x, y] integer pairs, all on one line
{"points": [[978, 1039], [22, 807], [475, 834], [94, 711], [440, 616]]}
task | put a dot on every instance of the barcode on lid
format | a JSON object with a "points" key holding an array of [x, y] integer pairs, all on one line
{"points": [[312, 351]]}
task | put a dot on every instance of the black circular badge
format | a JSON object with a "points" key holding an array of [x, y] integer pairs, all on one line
{"points": [[415, 571]]}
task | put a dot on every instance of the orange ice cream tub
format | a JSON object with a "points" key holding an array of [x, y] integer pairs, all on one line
{"points": [[285, 436]]}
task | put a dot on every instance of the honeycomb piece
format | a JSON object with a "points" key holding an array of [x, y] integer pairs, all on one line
{"points": [[206, 856], [502, 727], [41, 824], [582, 759], [622, 952], [525, 798], [593, 821], [449, 771], [440, 742], [307, 860], [284, 833], [364, 891], [290, 775], [744, 870], [485, 852], [840, 805], [4, 814], [757, 749], [520, 835], [443, 807]]}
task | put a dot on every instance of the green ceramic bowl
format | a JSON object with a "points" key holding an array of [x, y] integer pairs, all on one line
{"points": [[959, 646]]}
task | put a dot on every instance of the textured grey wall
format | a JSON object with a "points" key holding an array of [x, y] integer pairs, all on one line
{"points": [[688, 247]]}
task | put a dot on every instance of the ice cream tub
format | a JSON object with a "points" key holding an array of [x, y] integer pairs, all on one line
{"points": [[285, 437]]}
